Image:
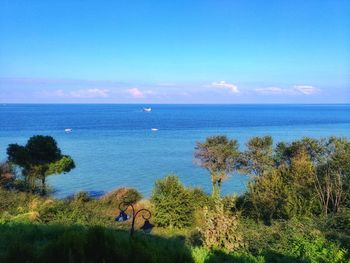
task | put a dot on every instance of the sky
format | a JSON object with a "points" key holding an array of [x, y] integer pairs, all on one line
{"points": [[217, 51]]}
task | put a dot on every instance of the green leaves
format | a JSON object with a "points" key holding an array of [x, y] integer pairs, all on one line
{"points": [[258, 158], [219, 156], [172, 203], [309, 176], [42, 150], [39, 158], [63, 165]]}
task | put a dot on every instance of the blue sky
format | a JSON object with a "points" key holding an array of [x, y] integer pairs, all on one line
{"points": [[175, 51]]}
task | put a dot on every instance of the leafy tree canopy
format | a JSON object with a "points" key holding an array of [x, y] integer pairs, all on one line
{"points": [[219, 156], [39, 158]]}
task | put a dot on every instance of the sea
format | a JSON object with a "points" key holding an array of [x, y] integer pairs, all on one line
{"points": [[113, 145]]}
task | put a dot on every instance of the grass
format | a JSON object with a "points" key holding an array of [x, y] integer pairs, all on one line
{"points": [[44, 229]]}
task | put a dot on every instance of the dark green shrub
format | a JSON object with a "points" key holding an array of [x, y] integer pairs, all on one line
{"points": [[199, 198], [20, 251], [67, 248], [101, 246], [172, 203]]}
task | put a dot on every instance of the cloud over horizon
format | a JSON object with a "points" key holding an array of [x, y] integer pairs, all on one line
{"points": [[295, 90], [89, 93], [136, 93], [225, 85], [34, 90], [306, 89], [270, 90], [78, 94]]}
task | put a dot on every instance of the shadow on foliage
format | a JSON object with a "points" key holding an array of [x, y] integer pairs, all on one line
{"points": [[221, 257], [59, 243]]}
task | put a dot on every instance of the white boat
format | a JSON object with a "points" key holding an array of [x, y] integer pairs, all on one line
{"points": [[154, 129], [147, 109], [68, 130]]}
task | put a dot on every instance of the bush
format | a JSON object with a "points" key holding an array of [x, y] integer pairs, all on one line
{"points": [[20, 252], [7, 174], [82, 197], [230, 203], [337, 226], [283, 193], [290, 241], [129, 195], [172, 203], [69, 247], [220, 231]]}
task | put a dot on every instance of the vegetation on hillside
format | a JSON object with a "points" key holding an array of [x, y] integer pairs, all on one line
{"points": [[296, 209]]}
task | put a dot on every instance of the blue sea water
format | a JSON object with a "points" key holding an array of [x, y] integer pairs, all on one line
{"points": [[113, 145]]}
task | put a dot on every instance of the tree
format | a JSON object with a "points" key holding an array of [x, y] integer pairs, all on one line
{"points": [[314, 148], [284, 192], [219, 156], [333, 175], [172, 203], [39, 158], [258, 158], [331, 159]]}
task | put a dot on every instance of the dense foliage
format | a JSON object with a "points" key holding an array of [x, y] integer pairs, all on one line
{"points": [[219, 156], [39, 158], [296, 209], [172, 203], [309, 177]]}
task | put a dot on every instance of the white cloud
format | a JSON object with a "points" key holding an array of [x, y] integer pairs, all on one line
{"points": [[295, 90], [136, 93], [271, 90], [81, 93], [305, 89], [55, 93], [89, 93], [224, 85]]}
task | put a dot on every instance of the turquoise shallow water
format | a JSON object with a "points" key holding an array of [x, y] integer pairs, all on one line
{"points": [[113, 145]]}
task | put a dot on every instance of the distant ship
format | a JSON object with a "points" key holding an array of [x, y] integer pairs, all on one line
{"points": [[154, 129], [147, 109], [68, 130]]}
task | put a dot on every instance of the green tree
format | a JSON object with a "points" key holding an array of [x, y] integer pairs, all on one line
{"points": [[314, 148], [331, 159], [333, 175], [284, 192], [219, 156], [258, 157], [39, 158], [172, 203]]}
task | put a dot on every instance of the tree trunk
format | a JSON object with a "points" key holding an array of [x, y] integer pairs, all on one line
{"points": [[219, 187], [213, 185], [43, 189]]}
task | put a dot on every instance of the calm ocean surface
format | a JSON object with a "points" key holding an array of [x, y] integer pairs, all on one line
{"points": [[113, 145]]}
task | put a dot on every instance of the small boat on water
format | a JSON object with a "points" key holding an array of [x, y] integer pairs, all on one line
{"points": [[147, 109], [154, 129], [68, 130]]}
